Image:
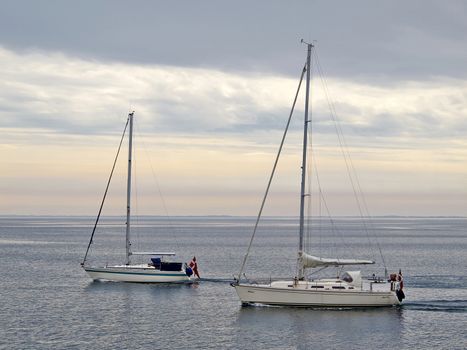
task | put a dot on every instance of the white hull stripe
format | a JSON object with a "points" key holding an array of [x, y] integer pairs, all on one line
{"points": [[137, 273]]}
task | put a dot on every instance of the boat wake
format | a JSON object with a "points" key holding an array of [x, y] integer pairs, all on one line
{"points": [[216, 280], [438, 282], [437, 305]]}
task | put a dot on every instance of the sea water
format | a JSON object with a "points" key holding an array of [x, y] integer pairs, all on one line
{"points": [[48, 301]]}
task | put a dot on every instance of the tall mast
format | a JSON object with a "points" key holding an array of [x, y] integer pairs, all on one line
{"points": [[128, 190], [305, 139]]}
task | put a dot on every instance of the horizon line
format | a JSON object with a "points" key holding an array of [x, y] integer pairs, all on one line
{"points": [[234, 216]]}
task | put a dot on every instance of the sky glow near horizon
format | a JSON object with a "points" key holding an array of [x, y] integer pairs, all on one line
{"points": [[211, 133]]}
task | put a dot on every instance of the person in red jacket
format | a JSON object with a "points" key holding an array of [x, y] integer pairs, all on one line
{"points": [[194, 266], [400, 279]]}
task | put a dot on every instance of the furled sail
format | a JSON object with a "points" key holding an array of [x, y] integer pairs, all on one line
{"points": [[309, 261]]}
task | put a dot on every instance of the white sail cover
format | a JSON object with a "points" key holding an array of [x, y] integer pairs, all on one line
{"points": [[352, 277], [309, 261]]}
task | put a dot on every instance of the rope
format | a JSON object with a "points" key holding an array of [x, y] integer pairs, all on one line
{"points": [[105, 193], [272, 175]]}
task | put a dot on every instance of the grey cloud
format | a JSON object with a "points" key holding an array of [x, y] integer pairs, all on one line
{"points": [[365, 40]]}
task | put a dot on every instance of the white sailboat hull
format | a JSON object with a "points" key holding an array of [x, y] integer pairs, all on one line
{"points": [[302, 297], [136, 274]]}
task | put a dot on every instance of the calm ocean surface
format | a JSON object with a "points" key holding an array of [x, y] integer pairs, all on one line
{"points": [[48, 302]]}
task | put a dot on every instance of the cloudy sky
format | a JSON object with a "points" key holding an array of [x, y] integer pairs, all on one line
{"points": [[212, 83]]}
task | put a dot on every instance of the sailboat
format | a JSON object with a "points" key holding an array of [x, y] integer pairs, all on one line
{"points": [[349, 289], [158, 270]]}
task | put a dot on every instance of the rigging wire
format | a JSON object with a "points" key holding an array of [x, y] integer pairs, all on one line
{"points": [[358, 193], [135, 186], [334, 227], [105, 193], [272, 175], [313, 164], [166, 212], [361, 202]]}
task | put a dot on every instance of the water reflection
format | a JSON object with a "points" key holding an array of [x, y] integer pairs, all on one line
{"points": [[328, 327], [93, 286]]}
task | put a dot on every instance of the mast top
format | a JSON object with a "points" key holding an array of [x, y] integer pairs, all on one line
{"points": [[304, 42]]}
